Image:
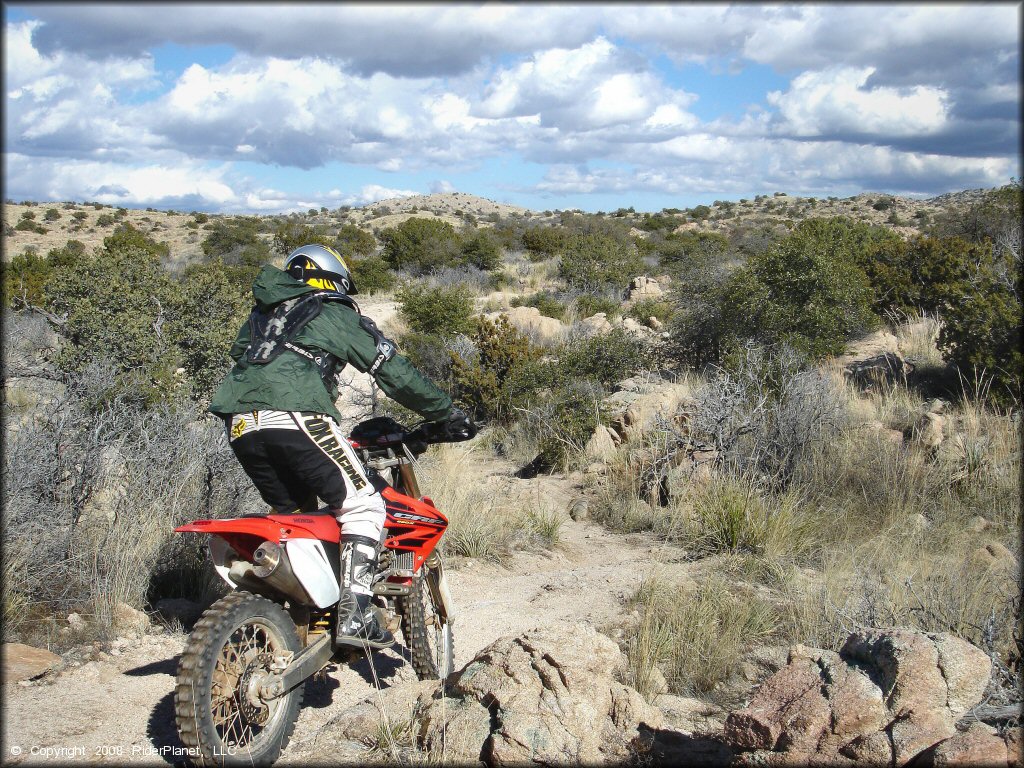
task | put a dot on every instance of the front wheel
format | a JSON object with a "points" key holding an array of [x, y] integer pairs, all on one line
{"points": [[220, 715], [427, 635]]}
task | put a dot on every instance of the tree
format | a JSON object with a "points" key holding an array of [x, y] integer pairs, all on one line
{"points": [[597, 263], [481, 250], [420, 245], [807, 291]]}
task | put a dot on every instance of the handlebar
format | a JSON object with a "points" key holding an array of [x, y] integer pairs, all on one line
{"points": [[382, 433]]}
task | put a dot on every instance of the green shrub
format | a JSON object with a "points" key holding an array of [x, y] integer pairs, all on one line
{"points": [[644, 309], [350, 239], [487, 381], [420, 245], [79, 215], [24, 279], [675, 248], [606, 358], [28, 215], [372, 274], [587, 305], [52, 214], [595, 263], [981, 332], [27, 225], [436, 310], [292, 233], [808, 291], [236, 241], [482, 250], [544, 242], [572, 414], [546, 303], [126, 236]]}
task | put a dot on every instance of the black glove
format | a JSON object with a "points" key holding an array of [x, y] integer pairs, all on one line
{"points": [[458, 426]]}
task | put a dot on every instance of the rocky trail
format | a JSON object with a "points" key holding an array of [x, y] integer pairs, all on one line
{"points": [[116, 706]]}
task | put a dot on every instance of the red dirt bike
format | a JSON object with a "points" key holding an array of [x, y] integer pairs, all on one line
{"points": [[241, 676]]}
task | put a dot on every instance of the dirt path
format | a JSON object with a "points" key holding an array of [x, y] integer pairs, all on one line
{"points": [[119, 708]]}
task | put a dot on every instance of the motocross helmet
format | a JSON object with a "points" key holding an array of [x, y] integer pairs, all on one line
{"points": [[322, 267]]}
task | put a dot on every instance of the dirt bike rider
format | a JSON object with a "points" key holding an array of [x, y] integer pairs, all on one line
{"points": [[278, 407]]}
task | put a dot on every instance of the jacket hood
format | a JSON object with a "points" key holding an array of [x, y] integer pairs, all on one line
{"points": [[273, 286]]}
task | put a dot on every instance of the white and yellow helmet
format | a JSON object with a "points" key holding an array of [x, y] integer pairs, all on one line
{"points": [[321, 267]]}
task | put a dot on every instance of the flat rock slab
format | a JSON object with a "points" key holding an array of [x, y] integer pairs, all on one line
{"points": [[23, 662]]}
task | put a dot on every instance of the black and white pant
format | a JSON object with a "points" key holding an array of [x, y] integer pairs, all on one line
{"points": [[290, 456]]}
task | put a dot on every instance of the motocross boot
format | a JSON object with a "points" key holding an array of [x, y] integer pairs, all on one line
{"points": [[357, 621]]}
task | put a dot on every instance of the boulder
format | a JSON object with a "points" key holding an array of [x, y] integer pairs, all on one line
{"points": [[130, 620], [579, 510], [24, 662], [595, 325], [600, 446], [548, 696], [886, 368], [644, 287], [644, 412], [979, 745], [886, 698], [76, 622], [542, 329]]}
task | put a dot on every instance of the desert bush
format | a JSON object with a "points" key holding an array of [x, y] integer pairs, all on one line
{"points": [[486, 373], [419, 245], [981, 329], [594, 263], [105, 220], [543, 242], [52, 214], [96, 486], [606, 358], [588, 304], [674, 248], [436, 310], [807, 291], [237, 241], [548, 304], [350, 239], [481, 250], [647, 308], [372, 275], [766, 412]]}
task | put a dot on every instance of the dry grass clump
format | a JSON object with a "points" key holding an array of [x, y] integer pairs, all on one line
{"points": [[94, 486], [695, 639], [481, 523]]}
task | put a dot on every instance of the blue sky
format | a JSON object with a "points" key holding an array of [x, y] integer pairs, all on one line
{"points": [[275, 107]]}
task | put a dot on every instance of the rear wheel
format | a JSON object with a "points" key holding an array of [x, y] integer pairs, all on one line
{"points": [[220, 715], [427, 635]]}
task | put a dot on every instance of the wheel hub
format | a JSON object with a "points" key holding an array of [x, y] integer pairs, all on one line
{"points": [[249, 683]]}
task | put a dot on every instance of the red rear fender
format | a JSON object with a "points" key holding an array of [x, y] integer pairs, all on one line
{"points": [[270, 527]]}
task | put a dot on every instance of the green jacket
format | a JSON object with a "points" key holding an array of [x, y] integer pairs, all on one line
{"points": [[290, 382]]}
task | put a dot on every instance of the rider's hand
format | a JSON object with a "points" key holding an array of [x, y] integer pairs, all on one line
{"points": [[458, 426]]}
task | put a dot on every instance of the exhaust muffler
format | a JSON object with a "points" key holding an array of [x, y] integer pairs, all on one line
{"points": [[272, 566]]}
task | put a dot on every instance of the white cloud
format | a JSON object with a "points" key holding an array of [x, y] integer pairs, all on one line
{"points": [[837, 101], [926, 94]]}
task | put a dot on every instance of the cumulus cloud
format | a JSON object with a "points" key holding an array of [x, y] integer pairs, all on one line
{"points": [[400, 40], [929, 95], [836, 101]]}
